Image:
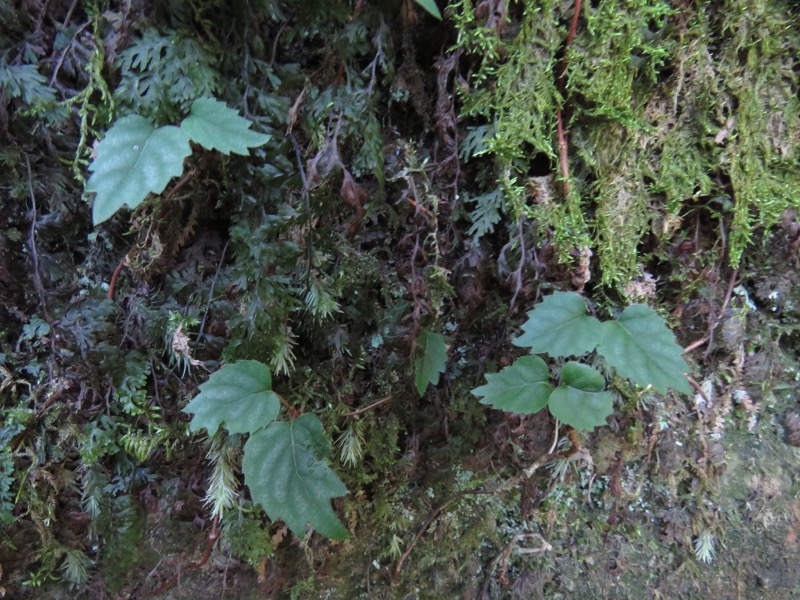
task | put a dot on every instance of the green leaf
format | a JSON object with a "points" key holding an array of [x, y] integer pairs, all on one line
{"points": [[238, 397], [581, 409], [640, 346], [216, 127], [431, 360], [286, 469], [560, 326], [133, 160], [522, 387], [581, 402], [582, 377], [430, 7]]}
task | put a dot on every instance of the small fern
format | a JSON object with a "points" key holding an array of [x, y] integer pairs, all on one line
{"points": [[24, 82], [75, 567], [487, 213], [223, 485], [162, 74]]}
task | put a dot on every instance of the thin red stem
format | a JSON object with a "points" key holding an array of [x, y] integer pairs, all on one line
{"points": [[113, 285]]}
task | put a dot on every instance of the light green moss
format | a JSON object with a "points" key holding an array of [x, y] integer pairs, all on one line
{"points": [[667, 109], [756, 69]]}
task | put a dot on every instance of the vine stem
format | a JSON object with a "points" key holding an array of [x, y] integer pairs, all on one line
{"points": [[573, 26], [293, 412], [113, 284], [563, 153], [211, 294], [713, 323]]}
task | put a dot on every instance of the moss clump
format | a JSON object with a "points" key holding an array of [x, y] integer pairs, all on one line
{"points": [[667, 108], [757, 69]]}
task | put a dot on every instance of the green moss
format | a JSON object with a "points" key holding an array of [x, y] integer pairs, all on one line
{"points": [[756, 68], [665, 108], [614, 62], [623, 204], [122, 529]]}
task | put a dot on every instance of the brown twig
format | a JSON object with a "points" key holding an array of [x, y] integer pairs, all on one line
{"points": [[71, 10], [701, 427], [503, 558], [419, 208], [63, 56], [293, 412], [698, 388], [563, 152], [181, 182], [427, 523], [211, 294], [518, 272], [572, 434], [369, 407], [573, 27], [715, 321], [206, 555], [694, 345]]}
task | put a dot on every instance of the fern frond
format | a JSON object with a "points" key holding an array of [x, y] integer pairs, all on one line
{"points": [[350, 444], [75, 567], [704, 547], [25, 82], [283, 358], [223, 486]]}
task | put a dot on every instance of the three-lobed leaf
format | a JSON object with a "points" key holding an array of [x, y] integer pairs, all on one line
{"points": [[238, 397], [580, 401], [136, 159], [133, 160], [215, 126], [522, 387], [285, 467], [560, 326], [640, 346], [431, 360]]}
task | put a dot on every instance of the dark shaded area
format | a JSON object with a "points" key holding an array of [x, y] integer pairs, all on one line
{"points": [[375, 213]]}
